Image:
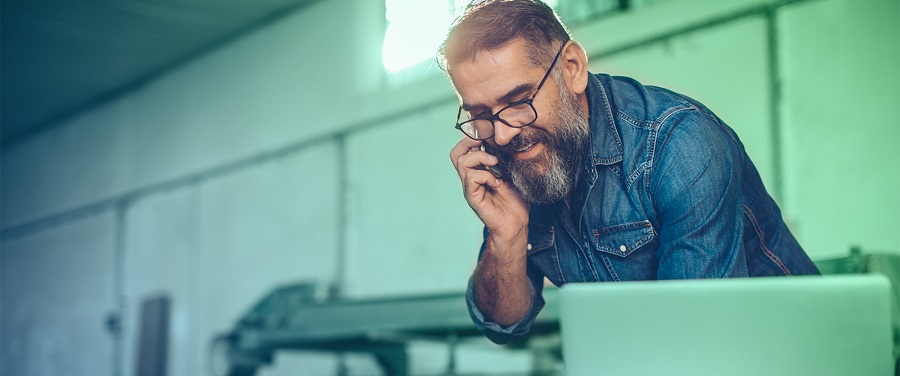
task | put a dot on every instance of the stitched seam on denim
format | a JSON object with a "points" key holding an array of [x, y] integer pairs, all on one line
{"points": [[562, 277], [762, 241], [651, 154], [623, 227], [633, 122], [580, 249], [631, 247], [609, 267], [648, 232], [651, 148], [590, 259], [543, 245], [612, 120], [635, 175], [709, 114], [721, 126], [672, 111], [614, 171], [587, 252]]}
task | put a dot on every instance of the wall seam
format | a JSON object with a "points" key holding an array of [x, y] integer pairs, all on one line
{"points": [[775, 101], [336, 287], [121, 210], [760, 10]]}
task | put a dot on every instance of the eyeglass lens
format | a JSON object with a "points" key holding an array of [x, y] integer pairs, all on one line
{"points": [[516, 116]]}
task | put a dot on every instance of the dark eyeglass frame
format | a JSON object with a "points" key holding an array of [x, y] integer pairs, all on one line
{"points": [[496, 116]]}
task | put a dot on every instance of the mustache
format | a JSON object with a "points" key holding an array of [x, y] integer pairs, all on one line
{"points": [[526, 137]]}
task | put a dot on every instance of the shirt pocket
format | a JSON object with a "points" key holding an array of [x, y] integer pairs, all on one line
{"points": [[622, 240], [540, 237]]}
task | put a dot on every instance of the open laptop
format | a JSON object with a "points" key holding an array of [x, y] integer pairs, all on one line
{"points": [[810, 325]]}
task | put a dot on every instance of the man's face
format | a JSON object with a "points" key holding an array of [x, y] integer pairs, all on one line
{"points": [[542, 158]]}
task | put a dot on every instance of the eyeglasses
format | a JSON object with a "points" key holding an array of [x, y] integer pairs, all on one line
{"points": [[517, 114]]}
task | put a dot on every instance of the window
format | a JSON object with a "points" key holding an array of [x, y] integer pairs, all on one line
{"points": [[416, 28]]}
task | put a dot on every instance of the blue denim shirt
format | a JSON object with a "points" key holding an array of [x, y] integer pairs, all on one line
{"points": [[666, 192]]}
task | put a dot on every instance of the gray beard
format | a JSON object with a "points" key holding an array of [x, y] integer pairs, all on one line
{"points": [[551, 175]]}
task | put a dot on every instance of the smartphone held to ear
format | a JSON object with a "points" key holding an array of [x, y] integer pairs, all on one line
{"points": [[497, 170]]}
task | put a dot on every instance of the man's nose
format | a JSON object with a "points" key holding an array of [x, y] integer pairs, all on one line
{"points": [[504, 133]]}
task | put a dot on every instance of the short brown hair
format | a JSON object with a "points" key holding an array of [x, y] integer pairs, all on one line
{"points": [[489, 24]]}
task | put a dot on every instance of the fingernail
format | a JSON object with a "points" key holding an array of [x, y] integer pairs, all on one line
{"points": [[492, 158]]}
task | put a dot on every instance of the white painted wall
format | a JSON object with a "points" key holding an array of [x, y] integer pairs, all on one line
{"points": [[216, 247], [841, 62], [411, 231], [261, 92], [57, 289], [217, 243]]}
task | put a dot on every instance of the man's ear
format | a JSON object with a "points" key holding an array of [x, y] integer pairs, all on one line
{"points": [[574, 67]]}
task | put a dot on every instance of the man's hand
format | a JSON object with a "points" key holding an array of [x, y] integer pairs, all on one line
{"points": [[496, 202], [500, 282]]}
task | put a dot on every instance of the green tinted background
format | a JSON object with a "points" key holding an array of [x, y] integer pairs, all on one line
{"points": [[289, 155]]}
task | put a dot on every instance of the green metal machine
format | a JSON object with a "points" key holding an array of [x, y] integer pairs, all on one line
{"points": [[289, 318]]}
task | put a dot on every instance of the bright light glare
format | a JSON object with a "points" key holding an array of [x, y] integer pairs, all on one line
{"points": [[415, 30]]}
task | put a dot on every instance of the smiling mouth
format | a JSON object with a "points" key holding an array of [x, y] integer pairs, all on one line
{"points": [[527, 151], [525, 147]]}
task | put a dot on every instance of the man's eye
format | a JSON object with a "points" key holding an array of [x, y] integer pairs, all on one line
{"points": [[519, 103]]}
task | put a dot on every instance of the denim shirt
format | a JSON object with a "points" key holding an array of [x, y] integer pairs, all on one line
{"points": [[666, 192]]}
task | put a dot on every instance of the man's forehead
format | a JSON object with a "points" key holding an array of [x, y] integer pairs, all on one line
{"points": [[490, 75], [512, 52]]}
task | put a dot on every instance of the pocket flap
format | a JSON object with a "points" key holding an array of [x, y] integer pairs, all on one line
{"points": [[622, 240], [540, 237]]}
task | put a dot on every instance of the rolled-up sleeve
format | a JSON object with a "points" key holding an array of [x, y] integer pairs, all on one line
{"points": [[496, 332], [500, 334]]}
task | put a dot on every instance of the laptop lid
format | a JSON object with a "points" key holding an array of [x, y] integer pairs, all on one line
{"points": [[809, 325]]}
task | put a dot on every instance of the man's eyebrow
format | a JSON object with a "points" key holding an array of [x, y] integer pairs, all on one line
{"points": [[509, 97], [516, 92]]}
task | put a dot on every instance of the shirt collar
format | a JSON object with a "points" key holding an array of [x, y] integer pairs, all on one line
{"points": [[606, 146]]}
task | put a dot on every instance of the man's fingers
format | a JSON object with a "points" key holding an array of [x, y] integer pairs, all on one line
{"points": [[475, 179], [475, 159], [469, 160], [461, 148]]}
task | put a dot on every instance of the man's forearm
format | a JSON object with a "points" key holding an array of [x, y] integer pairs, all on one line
{"points": [[501, 282]]}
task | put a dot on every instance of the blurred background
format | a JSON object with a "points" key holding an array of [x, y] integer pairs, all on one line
{"points": [[169, 163]]}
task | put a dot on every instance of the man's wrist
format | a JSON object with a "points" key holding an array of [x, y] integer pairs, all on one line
{"points": [[514, 243]]}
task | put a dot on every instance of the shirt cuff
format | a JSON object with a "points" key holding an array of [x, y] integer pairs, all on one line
{"points": [[494, 331]]}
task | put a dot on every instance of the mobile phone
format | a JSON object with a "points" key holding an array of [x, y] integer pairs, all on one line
{"points": [[498, 170]]}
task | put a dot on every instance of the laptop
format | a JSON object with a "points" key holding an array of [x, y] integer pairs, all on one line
{"points": [[804, 325]]}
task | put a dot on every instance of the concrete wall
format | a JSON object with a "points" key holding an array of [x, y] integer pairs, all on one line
{"points": [[57, 288], [281, 157], [842, 124]]}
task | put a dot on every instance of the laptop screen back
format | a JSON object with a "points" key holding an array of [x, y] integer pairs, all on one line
{"points": [[811, 325]]}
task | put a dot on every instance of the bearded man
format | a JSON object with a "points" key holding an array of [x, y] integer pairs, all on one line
{"points": [[582, 177]]}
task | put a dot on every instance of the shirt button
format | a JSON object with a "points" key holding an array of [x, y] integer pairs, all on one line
{"points": [[528, 247], [623, 248]]}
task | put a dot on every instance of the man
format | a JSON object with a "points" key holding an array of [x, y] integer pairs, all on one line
{"points": [[601, 179]]}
